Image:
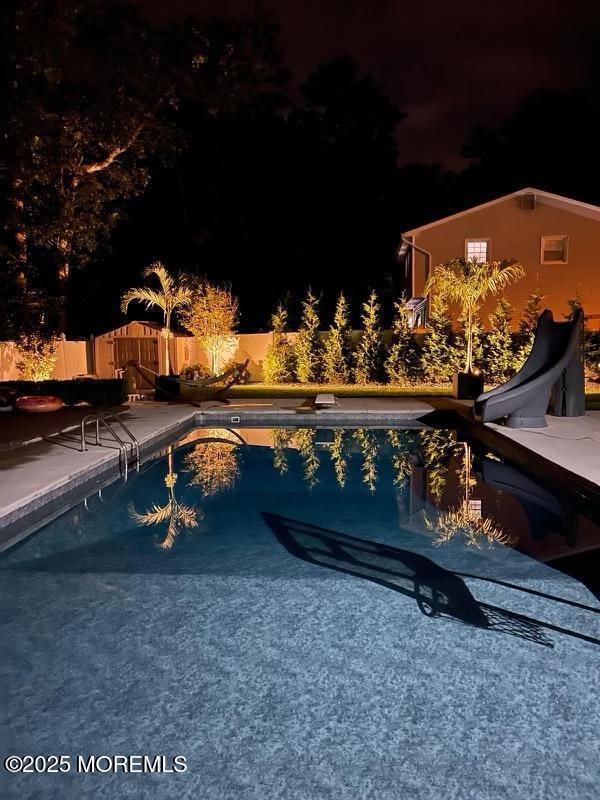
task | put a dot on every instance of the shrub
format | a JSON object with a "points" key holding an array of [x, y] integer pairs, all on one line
{"points": [[592, 354], [402, 363], [499, 355], [368, 354], [440, 354], [337, 352], [36, 356], [279, 362], [527, 326], [195, 372], [308, 346]]}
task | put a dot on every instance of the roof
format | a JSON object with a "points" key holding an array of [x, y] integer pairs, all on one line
{"points": [[566, 203], [154, 326]]}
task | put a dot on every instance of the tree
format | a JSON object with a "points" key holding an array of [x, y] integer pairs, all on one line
{"points": [[439, 355], [278, 366], [175, 514], [173, 296], [499, 353], [402, 362], [36, 356], [337, 353], [468, 283], [211, 316], [80, 131], [368, 355], [308, 346], [528, 325]]}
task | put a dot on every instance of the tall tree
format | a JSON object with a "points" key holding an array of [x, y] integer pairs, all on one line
{"points": [[498, 346], [440, 355], [468, 283], [308, 346], [173, 295], [337, 353], [369, 351], [402, 362], [279, 363], [211, 315], [80, 131]]}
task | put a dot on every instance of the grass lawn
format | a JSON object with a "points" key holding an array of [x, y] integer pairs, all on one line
{"points": [[592, 391], [349, 390]]}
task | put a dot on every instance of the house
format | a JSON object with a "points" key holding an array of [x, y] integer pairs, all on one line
{"points": [[556, 239]]}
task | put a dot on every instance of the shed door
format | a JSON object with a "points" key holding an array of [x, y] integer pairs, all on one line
{"points": [[136, 349]]}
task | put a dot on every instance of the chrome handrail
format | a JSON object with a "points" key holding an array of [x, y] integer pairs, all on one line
{"points": [[105, 419]]}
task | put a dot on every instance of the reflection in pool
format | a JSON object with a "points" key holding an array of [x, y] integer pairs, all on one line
{"points": [[292, 608]]}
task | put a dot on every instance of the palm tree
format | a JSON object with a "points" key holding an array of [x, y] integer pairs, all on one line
{"points": [[463, 519], [172, 296], [173, 512], [468, 283]]}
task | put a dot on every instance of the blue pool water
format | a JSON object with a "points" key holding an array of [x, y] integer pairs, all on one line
{"points": [[309, 614]]}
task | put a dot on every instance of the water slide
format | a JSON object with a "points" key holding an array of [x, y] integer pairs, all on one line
{"points": [[553, 371]]}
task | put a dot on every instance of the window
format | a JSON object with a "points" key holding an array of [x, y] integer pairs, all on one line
{"points": [[477, 250], [555, 250]]}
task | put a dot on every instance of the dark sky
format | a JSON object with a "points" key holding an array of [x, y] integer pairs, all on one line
{"points": [[447, 63]]}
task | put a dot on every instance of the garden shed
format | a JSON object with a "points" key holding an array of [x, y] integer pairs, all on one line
{"points": [[139, 341]]}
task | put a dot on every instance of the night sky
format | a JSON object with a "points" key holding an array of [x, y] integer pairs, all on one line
{"points": [[448, 64]]}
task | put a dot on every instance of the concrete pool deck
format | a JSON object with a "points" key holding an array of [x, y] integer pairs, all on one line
{"points": [[572, 443]]}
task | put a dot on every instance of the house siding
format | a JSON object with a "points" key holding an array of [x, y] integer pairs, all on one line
{"points": [[517, 233]]}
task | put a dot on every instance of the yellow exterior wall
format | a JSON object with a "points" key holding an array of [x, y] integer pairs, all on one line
{"points": [[517, 233]]}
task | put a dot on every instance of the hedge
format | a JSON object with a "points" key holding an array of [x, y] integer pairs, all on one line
{"points": [[95, 391]]}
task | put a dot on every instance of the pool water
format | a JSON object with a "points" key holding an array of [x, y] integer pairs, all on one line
{"points": [[310, 614]]}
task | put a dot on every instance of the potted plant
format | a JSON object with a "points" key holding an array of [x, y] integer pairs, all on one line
{"points": [[468, 283]]}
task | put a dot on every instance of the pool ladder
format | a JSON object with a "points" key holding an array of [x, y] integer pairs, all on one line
{"points": [[125, 438]]}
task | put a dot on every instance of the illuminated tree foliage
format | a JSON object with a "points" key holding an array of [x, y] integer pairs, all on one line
{"points": [[281, 441], [174, 295], [464, 520], [337, 354], [308, 346], [440, 353], [402, 363], [338, 456], [36, 356], [499, 354], [279, 361], [304, 439], [402, 450], [214, 466], [368, 354], [211, 316], [369, 448], [468, 283], [178, 516], [527, 325]]}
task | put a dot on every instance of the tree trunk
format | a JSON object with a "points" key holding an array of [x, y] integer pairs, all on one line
{"points": [[167, 338], [469, 332]]}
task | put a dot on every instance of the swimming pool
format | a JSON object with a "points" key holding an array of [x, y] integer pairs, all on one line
{"points": [[310, 613]]}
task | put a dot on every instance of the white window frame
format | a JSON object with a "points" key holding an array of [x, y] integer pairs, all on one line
{"points": [[485, 239], [554, 236]]}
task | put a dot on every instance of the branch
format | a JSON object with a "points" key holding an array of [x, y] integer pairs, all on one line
{"points": [[98, 166]]}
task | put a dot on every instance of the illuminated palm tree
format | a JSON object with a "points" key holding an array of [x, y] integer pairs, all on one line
{"points": [[172, 296], [173, 512], [468, 283], [464, 519]]}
